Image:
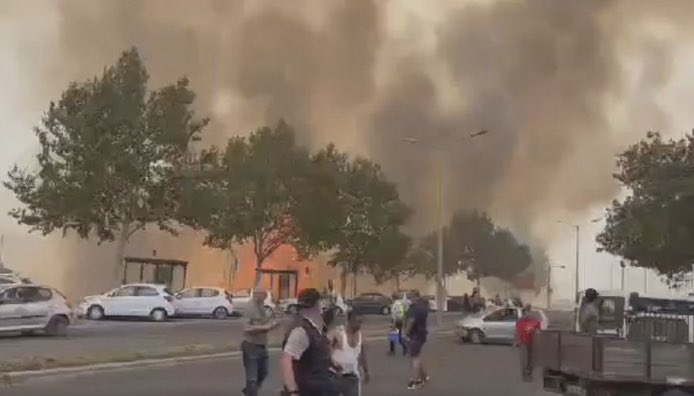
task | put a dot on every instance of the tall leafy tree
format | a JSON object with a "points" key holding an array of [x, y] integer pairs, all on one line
{"points": [[654, 226], [472, 243], [368, 234], [108, 158], [265, 190]]}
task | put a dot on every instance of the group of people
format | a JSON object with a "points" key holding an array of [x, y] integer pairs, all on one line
{"points": [[321, 357]]}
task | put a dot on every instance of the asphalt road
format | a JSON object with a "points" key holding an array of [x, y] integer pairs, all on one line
{"points": [[455, 369], [111, 337]]}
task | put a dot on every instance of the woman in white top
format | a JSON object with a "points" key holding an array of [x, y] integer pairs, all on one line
{"points": [[349, 356]]}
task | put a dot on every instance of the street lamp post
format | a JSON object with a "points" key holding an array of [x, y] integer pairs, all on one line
{"points": [[440, 220], [623, 265], [549, 283], [577, 228]]}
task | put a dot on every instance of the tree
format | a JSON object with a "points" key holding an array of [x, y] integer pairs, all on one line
{"points": [[108, 159], [264, 190], [472, 243], [368, 224], [654, 226]]}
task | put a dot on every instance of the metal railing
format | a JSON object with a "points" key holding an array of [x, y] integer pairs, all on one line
{"points": [[660, 327]]}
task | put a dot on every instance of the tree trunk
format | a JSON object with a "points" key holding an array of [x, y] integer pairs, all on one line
{"points": [[354, 282], [258, 271], [120, 254], [343, 279], [233, 266]]}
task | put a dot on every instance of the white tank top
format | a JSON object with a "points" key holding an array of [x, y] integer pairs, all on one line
{"points": [[348, 356]]}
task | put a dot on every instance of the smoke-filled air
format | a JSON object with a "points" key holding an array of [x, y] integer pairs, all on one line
{"points": [[544, 77]]}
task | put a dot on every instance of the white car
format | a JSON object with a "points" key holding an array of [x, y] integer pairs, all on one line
{"points": [[495, 326], [29, 308], [136, 300], [242, 299], [204, 301]]}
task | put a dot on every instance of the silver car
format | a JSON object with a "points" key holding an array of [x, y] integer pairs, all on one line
{"points": [[496, 326], [29, 308]]}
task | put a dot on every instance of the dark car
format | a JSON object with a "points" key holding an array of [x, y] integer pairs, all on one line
{"points": [[371, 303]]}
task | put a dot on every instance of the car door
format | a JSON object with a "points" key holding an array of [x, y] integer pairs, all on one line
{"points": [[187, 301], [11, 310], [493, 323], [35, 306], [507, 327], [120, 302], [208, 301], [146, 299]]}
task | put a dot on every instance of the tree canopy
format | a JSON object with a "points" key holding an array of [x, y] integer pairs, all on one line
{"points": [[368, 235], [264, 189], [472, 243], [109, 150], [654, 226]]}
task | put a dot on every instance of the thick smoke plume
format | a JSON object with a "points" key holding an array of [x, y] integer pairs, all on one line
{"points": [[540, 75]]}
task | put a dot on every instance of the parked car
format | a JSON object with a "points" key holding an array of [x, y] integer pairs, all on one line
{"points": [[242, 300], [29, 308], [145, 300], [204, 301], [496, 326], [371, 303], [12, 279], [290, 305]]}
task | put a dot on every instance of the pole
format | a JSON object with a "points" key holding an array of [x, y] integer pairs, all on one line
{"points": [[549, 287], [578, 232], [645, 281], [439, 261], [611, 277], [623, 273]]}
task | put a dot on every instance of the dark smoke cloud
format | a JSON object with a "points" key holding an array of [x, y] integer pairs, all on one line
{"points": [[540, 75]]}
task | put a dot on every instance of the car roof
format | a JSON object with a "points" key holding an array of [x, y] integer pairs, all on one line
{"points": [[154, 285]]}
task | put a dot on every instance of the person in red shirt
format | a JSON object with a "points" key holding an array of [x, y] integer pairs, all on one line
{"points": [[526, 326]]}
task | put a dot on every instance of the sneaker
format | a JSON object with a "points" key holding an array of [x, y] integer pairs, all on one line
{"points": [[415, 384]]}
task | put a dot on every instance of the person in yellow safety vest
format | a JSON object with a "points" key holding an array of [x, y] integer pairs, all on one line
{"points": [[397, 312]]}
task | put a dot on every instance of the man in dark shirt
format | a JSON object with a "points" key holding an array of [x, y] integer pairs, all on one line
{"points": [[416, 336]]}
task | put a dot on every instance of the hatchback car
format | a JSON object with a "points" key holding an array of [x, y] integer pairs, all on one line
{"points": [[497, 326], [242, 300], [29, 308], [204, 301], [135, 300]]}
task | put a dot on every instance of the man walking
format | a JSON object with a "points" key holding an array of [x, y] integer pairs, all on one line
{"points": [[307, 367], [526, 327], [254, 346], [416, 336]]}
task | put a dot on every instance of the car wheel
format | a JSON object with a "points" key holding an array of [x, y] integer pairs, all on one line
{"points": [[95, 312], [476, 337], [220, 313], [57, 326], [269, 311], [385, 311], [158, 315]]}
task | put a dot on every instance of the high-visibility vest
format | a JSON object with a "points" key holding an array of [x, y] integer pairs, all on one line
{"points": [[398, 310]]}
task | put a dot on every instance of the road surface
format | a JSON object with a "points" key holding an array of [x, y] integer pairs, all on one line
{"points": [[456, 369], [118, 337]]}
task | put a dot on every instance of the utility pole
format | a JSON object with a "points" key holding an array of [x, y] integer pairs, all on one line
{"points": [[645, 280], [623, 265], [578, 244]]}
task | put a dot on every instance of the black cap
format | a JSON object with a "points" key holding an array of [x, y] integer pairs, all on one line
{"points": [[308, 298]]}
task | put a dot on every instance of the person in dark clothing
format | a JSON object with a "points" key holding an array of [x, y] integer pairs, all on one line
{"points": [[306, 364], [416, 336], [466, 305], [589, 313]]}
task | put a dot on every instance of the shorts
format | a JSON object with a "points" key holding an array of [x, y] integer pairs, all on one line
{"points": [[414, 347]]}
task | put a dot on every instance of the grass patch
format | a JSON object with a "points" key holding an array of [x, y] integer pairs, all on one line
{"points": [[49, 362]]}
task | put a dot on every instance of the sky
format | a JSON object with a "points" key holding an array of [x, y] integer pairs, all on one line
{"points": [[36, 62]]}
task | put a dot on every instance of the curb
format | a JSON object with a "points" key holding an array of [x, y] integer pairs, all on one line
{"points": [[10, 377]]}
